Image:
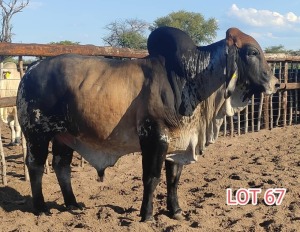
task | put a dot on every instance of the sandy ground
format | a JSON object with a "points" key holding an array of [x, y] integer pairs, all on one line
{"points": [[264, 160]]}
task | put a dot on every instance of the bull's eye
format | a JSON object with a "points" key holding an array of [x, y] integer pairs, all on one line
{"points": [[252, 52]]}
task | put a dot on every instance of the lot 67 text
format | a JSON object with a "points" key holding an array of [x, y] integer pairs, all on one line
{"points": [[272, 196]]}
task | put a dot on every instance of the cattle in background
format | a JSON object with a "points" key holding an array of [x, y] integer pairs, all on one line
{"points": [[214, 109], [9, 83], [104, 109]]}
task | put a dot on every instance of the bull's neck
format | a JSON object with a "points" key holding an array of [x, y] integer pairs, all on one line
{"points": [[211, 74], [204, 75]]}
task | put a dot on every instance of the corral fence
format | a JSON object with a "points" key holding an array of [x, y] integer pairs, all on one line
{"points": [[263, 112]]}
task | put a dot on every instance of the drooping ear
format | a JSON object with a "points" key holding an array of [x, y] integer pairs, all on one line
{"points": [[232, 45]]}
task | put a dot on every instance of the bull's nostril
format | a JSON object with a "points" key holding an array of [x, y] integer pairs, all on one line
{"points": [[277, 86]]}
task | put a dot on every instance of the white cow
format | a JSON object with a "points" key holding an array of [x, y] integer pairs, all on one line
{"points": [[9, 83]]}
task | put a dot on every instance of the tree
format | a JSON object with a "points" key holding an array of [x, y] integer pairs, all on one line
{"points": [[281, 49], [8, 10], [276, 49], [128, 33], [65, 42], [200, 30], [294, 52], [131, 33]]}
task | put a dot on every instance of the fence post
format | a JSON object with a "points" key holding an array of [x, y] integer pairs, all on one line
{"points": [[271, 112], [24, 149], [225, 125], [3, 162], [231, 126], [284, 100], [291, 109], [261, 102], [1, 70], [239, 122], [246, 119], [296, 96], [252, 113], [266, 112], [279, 95], [21, 67]]}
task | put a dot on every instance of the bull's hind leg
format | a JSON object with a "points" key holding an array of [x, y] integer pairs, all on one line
{"points": [[35, 161], [62, 158], [173, 172], [154, 150]]}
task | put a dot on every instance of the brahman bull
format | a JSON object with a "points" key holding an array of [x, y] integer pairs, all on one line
{"points": [[104, 109]]}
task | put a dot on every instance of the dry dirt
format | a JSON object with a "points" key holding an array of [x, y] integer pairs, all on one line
{"points": [[266, 159]]}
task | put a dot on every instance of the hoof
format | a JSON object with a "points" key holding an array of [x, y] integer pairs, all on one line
{"points": [[75, 207], [17, 141], [147, 219], [48, 213], [45, 212], [178, 216], [13, 144]]}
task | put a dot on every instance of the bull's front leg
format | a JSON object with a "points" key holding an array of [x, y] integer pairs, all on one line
{"points": [[62, 158], [173, 173], [154, 150]]}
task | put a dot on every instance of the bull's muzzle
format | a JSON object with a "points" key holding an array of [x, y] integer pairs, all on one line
{"points": [[273, 86]]}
